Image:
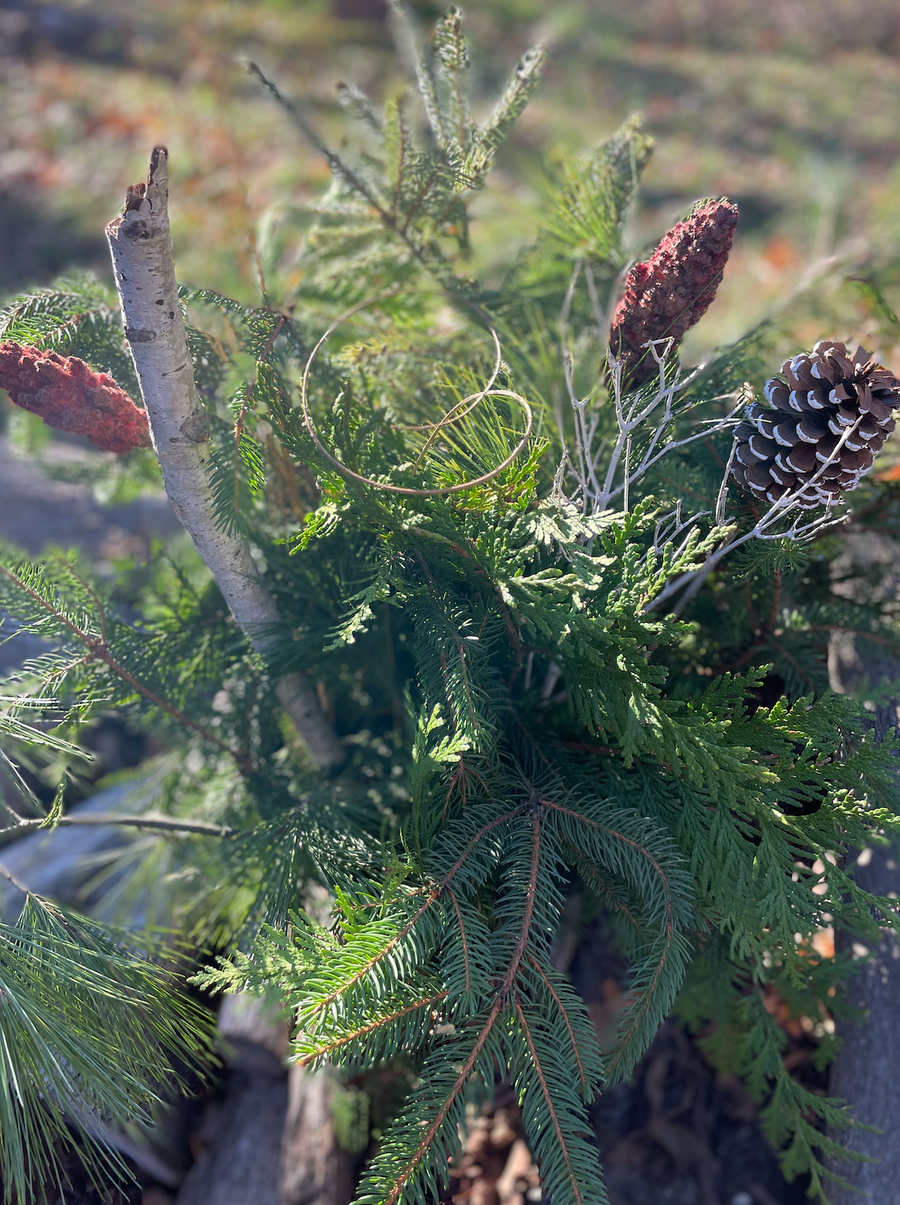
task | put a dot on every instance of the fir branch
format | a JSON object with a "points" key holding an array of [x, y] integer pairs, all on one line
{"points": [[528, 912], [460, 1083], [548, 1095], [625, 1055], [462, 934], [328, 1049], [379, 956], [576, 1053], [97, 650], [472, 842]]}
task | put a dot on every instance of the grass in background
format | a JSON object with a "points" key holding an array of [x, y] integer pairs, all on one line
{"points": [[788, 106]]}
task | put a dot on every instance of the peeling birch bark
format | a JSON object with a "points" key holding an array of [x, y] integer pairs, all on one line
{"points": [[144, 268]]}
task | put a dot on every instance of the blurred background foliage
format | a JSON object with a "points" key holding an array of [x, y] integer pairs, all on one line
{"points": [[787, 106]]}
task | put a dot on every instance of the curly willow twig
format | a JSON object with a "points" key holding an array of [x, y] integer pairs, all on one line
{"points": [[464, 407]]}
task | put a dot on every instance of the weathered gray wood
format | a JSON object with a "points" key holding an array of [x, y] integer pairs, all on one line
{"points": [[273, 1143], [314, 1169], [866, 1073], [241, 1165]]}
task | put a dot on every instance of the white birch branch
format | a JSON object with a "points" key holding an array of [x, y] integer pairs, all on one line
{"points": [[145, 278]]}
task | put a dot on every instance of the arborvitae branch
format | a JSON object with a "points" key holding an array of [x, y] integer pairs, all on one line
{"points": [[145, 278]]}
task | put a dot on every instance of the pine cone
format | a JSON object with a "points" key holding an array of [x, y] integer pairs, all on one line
{"points": [[782, 446], [671, 292], [69, 395]]}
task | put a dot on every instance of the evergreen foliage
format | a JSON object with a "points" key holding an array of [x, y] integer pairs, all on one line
{"points": [[482, 578]]}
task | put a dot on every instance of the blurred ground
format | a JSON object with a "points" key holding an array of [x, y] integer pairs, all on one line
{"points": [[789, 107]]}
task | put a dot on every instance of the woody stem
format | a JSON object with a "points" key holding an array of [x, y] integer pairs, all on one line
{"points": [[144, 269]]}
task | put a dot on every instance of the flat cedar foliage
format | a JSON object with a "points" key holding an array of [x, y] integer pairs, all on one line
{"points": [[559, 648]]}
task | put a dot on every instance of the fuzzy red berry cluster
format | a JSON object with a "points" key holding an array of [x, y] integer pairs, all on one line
{"points": [[671, 291], [70, 396]]}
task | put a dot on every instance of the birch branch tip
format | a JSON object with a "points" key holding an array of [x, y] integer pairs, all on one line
{"points": [[144, 267]]}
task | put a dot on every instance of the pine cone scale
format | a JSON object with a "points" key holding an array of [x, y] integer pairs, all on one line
{"points": [[826, 417]]}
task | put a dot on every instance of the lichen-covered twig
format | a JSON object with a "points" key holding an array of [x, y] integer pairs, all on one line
{"points": [[145, 278]]}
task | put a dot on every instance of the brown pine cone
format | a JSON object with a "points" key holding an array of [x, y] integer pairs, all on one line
{"points": [[823, 394]]}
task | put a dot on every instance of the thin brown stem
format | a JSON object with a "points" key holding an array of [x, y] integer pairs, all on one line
{"points": [[364, 1030], [11, 878], [409, 491], [863, 635], [779, 648], [91, 593], [585, 747], [776, 599], [166, 824]]}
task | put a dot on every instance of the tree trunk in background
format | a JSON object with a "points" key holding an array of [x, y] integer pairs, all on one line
{"points": [[866, 1073], [273, 1141]]}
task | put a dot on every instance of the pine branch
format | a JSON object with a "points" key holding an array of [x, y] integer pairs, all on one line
{"points": [[58, 975], [145, 278]]}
